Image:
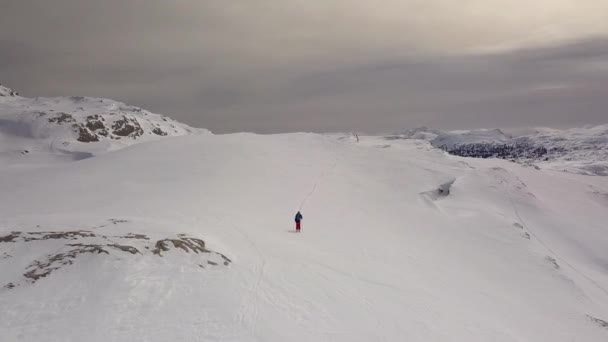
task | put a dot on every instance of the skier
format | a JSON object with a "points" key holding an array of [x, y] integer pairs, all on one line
{"points": [[299, 218]]}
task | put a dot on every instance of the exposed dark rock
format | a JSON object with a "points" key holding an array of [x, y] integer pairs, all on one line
{"points": [[127, 127], [160, 247], [226, 260], [135, 236], [187, 244], [95, 247], [10, 237], [123, 248], [7, 92], [84, 135], [553, 262], [442, 191], [37, 236], [62, 118], [94, 123], [86, 242], [41, 269], [68, 235], [159, 131], [445, 188], [598, 321]]}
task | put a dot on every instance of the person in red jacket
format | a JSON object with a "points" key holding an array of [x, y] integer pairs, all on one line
{"points": [[299, 218]]}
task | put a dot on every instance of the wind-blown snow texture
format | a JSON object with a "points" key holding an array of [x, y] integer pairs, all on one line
{"points": [[576, 150], [191, 239]]}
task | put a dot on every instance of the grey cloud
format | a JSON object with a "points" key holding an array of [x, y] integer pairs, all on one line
{"points": [[586, 49], [286, 66], [506, 90]]}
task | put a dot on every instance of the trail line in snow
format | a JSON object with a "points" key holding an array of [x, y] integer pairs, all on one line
{"points": [[545, 245], [359, 278], [249, 309], [248, 312], [323, 174]]}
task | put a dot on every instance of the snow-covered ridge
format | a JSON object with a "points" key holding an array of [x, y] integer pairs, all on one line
{"points": [[577, 150], [6, 92], [80, 126], [454, 138]]}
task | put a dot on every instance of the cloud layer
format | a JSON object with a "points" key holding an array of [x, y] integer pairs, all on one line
{"points": [[276, 66]]}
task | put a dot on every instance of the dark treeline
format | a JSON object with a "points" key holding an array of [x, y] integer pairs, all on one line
{"points": [[502, 151]]}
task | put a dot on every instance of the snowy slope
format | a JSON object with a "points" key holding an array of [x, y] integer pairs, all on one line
{"points": [[400, 242], [576, 150], [76, 127]]}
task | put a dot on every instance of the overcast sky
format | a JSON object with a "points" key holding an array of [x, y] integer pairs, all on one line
{"points": [[294, 65]]}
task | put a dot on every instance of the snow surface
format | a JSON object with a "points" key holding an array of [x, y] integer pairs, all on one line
{"points": [[501, 253]]}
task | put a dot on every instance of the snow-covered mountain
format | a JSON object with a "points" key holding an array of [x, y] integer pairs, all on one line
{"points": [[7, 92], [578, 150], [191, 238], [77, 127]]}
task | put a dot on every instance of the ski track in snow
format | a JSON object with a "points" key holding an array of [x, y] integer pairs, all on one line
{"points": [[248, 312], [319, 180], [506, 186]]}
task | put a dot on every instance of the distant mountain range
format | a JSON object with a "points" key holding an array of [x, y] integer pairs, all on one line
{"points": [[578, 150], [85, 126]]}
